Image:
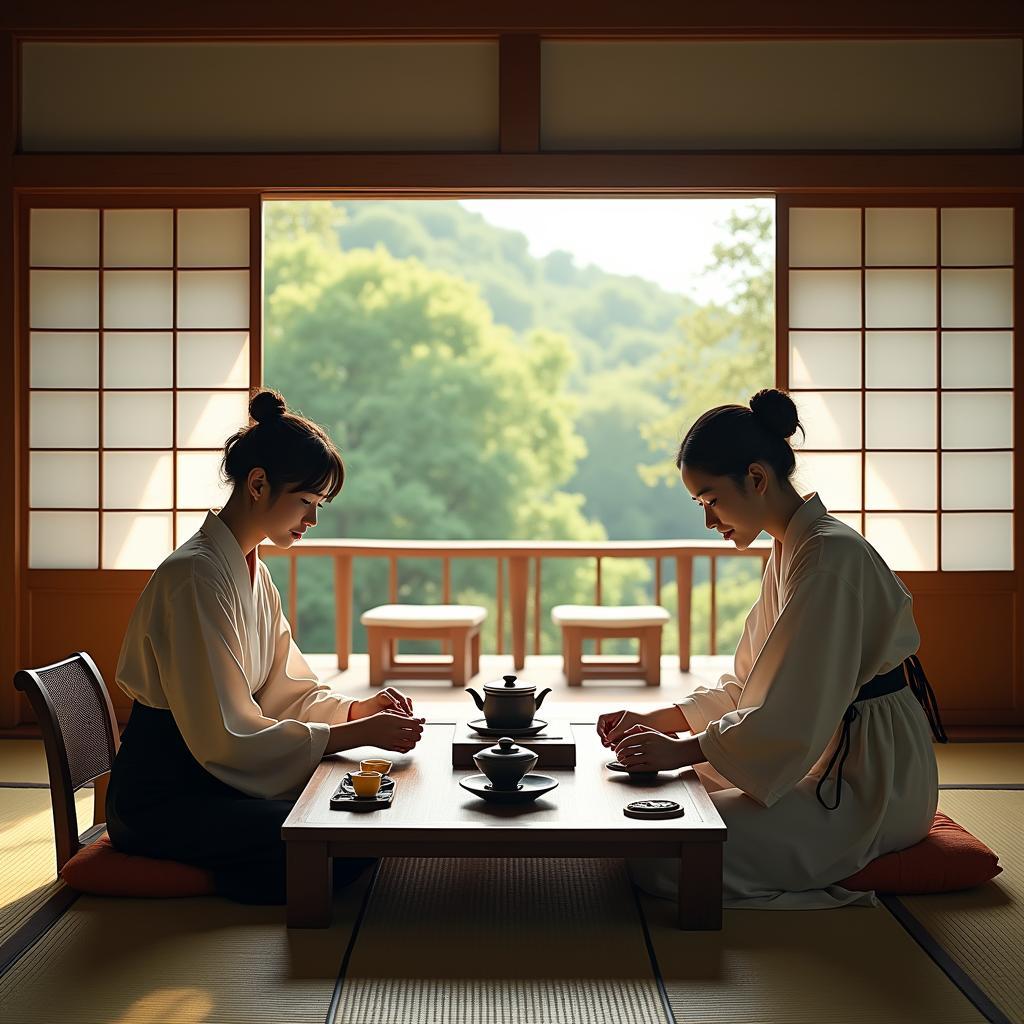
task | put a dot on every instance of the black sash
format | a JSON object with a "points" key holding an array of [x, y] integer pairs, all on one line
{"points": [[907, 673]]}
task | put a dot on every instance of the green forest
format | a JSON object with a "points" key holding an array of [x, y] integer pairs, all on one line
{"points": [[479, 392]]}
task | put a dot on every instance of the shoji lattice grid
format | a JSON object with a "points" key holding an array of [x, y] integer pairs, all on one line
{"points": [[901, 363], [138, 372]]}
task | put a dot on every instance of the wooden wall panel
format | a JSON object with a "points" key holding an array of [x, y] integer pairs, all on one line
{"points": [[969, 651], [94, 620], [781, 95], [283, 97]]}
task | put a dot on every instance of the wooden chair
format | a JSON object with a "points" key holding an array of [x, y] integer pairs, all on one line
{"points": [[599, 622], [457, 626], [80, 738]]}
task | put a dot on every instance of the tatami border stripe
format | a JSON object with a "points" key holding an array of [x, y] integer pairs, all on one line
{"points": [[38, 924], [670, 1017], [956, 974], [39, 785], [982, 785], [339, 982]]}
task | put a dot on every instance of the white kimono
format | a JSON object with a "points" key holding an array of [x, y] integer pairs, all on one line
{"points": [[830, 617], [211, 644]]}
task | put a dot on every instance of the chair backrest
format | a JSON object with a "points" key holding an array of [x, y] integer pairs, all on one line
{"points": [[80, 736]]}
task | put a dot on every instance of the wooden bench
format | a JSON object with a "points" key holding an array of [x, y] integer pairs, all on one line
{"points": [[581, 622], [456, 625]]}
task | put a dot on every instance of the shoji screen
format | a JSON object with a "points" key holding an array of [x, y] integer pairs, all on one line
{"points": [[897, 338], [139, 367], [139, 339]]}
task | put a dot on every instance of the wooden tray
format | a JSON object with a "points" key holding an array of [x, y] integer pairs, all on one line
{"points": [[343, 799], [555, 747]]}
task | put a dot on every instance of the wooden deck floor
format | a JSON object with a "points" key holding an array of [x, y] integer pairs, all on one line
{"points": [[443, 702]]}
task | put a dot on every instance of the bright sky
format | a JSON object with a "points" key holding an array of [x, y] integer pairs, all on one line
{"points": [[667, 241]]}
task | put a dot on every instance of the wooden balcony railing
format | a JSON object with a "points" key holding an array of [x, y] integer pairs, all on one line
{"points": [[517, 555]]}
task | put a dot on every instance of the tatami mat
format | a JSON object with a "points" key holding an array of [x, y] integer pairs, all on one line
{"points": [[191, 961], [983, 929], [489, 941], [28, 861], [855, 965], [980, 763], [22, 761]]}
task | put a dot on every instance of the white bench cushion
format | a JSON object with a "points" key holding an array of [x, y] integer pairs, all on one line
{"points": [[624, 617], [423, 616]]}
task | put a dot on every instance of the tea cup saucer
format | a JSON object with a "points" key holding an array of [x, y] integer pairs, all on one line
{"points": [[616, 766], [480, 725], [532, 786]]}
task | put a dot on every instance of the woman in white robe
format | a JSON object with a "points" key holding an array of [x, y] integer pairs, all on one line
{"points": [[816, 751], [228, 720]]}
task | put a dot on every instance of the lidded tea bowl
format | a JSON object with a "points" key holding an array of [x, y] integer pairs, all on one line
{"points": [[505, 764]]}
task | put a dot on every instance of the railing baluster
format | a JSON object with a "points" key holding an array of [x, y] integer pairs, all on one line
{"points": [[501, 605], [293, 594], [446, 594], [343, 608], [713, 617], [657, 580], [518, 594], [684, 600], [536, 606], [393, 579], [597, 597]]}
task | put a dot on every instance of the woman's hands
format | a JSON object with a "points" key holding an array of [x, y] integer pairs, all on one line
{"points": [[389, 699], [642, 749], [388, 730], [614, 725]]}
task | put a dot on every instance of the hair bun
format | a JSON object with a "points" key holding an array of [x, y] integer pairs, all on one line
{"points": [[776, 412], [267, 405]]}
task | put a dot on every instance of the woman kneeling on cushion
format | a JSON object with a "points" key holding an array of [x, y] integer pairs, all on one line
{"points": [[228, 720], [816, 751]]}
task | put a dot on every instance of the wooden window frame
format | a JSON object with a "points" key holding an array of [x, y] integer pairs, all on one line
{"points": [[518, 168]]}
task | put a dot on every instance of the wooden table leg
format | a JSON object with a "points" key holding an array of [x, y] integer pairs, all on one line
{"points": [[518, 581], [310, 885], [700, 887], [461, 654]]}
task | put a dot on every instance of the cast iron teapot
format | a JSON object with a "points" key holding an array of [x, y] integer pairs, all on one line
{"points": [[508, 703]]}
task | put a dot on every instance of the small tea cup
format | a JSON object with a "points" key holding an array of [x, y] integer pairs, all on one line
{"points": [[375, 764], [366, 783]]}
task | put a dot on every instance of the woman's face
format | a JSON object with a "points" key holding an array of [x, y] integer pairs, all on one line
{"points": [[736, 513], [288, 517]]}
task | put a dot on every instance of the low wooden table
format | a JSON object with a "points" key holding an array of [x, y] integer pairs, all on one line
{"points": [[432, 816]]}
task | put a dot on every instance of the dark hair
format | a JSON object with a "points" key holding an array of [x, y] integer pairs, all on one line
{"points": [[727, 439], [291, 449]]}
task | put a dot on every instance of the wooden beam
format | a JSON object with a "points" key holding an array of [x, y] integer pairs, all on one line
{"points": [[519, 93], [441, 175], [11, 608], [726, 19]]}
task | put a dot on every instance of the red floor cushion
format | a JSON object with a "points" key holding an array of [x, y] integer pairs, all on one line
{"points": [[100, 869], [948, 858]]}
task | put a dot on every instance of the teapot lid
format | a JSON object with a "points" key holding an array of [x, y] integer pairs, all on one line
{"points": [[509, 685], [507, 751]]}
